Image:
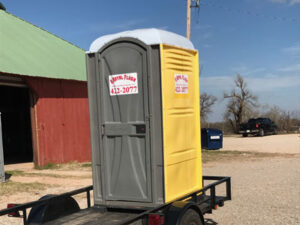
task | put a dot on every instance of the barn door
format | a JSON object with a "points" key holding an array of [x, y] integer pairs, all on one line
{"points": [[124, 123]]}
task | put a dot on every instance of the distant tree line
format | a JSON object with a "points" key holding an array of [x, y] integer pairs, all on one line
{"points": [[242, 105]]}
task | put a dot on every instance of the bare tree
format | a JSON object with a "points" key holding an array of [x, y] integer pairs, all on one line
{"points": [[241, 102], [286, 121], [275, 114], [206, 102]]}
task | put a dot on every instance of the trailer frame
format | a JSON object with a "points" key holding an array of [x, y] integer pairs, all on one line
{"points": [[205, 202]]}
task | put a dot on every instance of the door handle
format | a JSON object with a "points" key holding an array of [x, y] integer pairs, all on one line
{"points": [[140, 128]]}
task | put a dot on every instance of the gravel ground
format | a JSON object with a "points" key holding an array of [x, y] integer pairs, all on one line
{"points": [[264, 192], [288, 143]]}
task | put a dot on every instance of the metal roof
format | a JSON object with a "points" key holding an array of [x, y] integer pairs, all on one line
{"points": [[149, 36], [26, 49]]}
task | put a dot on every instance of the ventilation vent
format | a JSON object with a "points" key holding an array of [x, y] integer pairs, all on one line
{"points": [[179, 61]]}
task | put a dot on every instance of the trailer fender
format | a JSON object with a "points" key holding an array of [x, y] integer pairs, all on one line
{"points": [[53, 210], [177, 209]]}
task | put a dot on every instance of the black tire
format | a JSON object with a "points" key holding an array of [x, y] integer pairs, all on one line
{"points": [[191, 217], [245, 135], [261, 132], [274, 132], [52, 210]]}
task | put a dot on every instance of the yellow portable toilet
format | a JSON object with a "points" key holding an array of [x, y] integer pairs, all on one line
{"points": [[145, 118]]}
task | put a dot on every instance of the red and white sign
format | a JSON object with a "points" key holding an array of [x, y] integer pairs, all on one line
{"points": [[123, 84], [181, 83]]}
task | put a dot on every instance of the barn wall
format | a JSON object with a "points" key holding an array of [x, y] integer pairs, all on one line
{"points": [[61, 120]]}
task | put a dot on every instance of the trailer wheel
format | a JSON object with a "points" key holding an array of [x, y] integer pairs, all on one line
{"points": [[191, 217], [53, 210], [245, 135]]}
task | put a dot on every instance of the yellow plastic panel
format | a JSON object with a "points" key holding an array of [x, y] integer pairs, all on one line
{"points": [[181, 121]]}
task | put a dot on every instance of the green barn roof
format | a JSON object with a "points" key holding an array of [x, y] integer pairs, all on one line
{"points": [[26, 49]]}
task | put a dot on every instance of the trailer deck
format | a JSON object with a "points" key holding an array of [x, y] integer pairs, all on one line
{"points": [[95, 216], [206, 199]]}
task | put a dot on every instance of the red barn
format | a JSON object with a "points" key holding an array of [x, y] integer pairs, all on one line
{"points": [[43, 95]]}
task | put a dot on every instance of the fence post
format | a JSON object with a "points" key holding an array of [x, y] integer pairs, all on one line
{"points": [[2, 172]]}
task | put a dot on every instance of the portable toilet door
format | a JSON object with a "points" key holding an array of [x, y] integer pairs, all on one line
{"points": [[124, 120], [131, 165]]}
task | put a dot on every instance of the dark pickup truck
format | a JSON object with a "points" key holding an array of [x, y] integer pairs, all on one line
{"points": [[259, 126]]}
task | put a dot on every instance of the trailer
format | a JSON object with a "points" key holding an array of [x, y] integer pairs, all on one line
{"points": [[63, 209], [143, 89]]}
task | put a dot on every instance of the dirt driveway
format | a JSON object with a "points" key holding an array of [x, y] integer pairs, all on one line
{"points": [[265, 186], [288, 143]]}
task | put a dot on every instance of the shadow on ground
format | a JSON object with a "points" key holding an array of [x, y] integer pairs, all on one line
{"points": [[7, 176]]}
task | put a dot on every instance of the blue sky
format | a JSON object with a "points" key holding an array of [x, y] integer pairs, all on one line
{"points": [[260, 39]]}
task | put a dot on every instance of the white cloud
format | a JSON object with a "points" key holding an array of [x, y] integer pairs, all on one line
{"points": [[272, 89], [293, 2], [216, 81], [293, 50], [107, 27], [216, 85], [207, 46], [281, 90], [239, 69], [207, 35], [291, 68], [289, 2], [245, 71], [203, 27], [272, 83], [253, 71], [278, 1], [268, 83]]}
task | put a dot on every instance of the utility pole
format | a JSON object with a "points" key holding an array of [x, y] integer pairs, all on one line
{"points": [[188, 20], [188, 16]]}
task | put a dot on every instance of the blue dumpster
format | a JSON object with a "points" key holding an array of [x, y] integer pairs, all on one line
{"points": [[211, 139]]}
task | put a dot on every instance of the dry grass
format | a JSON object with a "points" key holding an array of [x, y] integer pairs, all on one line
{"points": [[221, 155], [11, 187], [20, 173], [64, 166]]}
